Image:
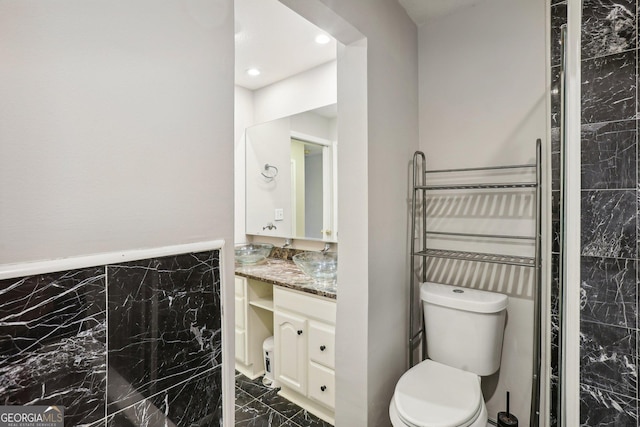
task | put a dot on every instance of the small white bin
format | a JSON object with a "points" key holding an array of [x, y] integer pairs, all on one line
{"points": [[267, 350]]}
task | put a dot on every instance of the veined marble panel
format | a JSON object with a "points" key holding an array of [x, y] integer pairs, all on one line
{"points": [[609, 155], [609, 88], [164, 324], [558, 18], [608, 358], [608, 27], [52, 342], [608, 226], [555, 221], [608, 291], [599, 408], [555, 97], [194, 402]]}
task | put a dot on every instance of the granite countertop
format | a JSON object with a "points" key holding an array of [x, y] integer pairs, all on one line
{"points": [[285, 273]]}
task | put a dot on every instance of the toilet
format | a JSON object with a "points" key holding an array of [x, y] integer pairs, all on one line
{"points": [[464, 331]]}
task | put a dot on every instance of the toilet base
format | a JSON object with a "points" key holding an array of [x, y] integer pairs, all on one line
{"points": [[481, 421]]}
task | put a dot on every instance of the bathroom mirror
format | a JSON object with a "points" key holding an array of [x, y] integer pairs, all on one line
{"points": [[291, 176]]}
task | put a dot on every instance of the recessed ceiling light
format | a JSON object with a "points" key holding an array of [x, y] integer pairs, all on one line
{"points": [[253, 72], [322, 39]]}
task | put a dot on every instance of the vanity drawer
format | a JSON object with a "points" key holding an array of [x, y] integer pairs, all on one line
{"points": [[321, 344], [321, 385], [240, 283]]}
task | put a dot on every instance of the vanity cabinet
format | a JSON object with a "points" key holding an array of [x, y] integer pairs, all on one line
{"points": [[253, 324], [304, 334]]}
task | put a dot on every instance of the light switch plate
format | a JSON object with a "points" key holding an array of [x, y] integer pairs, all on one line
{"points": [[279, 215]]}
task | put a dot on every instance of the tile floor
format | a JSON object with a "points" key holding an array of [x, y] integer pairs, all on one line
{"points": [[260, 406]]}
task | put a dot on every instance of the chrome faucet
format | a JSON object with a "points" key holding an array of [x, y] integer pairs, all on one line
{"points": [[269, 226], [287, 243], [327, 246]]}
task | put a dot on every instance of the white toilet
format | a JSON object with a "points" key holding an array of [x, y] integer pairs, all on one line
{"points": [[464, 331]]}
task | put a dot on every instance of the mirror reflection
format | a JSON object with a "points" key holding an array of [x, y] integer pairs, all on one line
{"points": [[290, 176]]}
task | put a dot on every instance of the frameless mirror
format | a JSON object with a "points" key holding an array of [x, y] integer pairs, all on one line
{"points": [[290, 176]]}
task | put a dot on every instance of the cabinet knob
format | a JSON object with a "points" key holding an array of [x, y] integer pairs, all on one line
{"points": [[323, 388], [299, 331], [322, 348]]}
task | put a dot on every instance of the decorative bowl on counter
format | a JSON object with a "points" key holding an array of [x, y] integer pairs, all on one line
{"points": [[252, 253], [321, 267]]}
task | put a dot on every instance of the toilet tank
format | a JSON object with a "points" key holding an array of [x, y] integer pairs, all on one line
{"points": [[464, 327]]}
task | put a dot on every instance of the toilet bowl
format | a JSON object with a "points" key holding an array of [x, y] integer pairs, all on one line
{"points": [[464, 329], [432, 394]]}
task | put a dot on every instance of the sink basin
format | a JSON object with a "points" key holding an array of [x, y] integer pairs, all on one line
{"points": [[252, 253], [321, 267]]}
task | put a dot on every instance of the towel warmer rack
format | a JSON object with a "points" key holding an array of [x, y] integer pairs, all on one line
{"points": [[419, 200]]}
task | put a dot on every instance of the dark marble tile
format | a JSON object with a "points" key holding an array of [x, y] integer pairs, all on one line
{"points": [[608, 27], [609, 88], [257, 414], [53, 344], [608, 155], [609, 223], [242, 397], [254, 387], [279, 404], [558, 18], [555, 230], [553, 399], [555, 97], [164, 324], [608, 358], [195, 402], [555, 171], [304, 418], [608, 291], [599, 408], [555, 140]]}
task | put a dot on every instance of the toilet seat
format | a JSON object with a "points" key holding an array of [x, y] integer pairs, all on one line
{"points": [[435, 395]]}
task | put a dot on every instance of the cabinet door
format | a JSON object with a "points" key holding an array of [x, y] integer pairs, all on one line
{"points": [[290, 335]]}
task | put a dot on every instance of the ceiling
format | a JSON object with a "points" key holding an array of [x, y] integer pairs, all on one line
{"points": [[422, 11], [278, 41]]}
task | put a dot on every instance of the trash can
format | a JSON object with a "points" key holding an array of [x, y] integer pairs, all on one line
{"points": [[267, 349]]}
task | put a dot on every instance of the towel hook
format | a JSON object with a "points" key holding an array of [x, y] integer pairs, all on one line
{"points": [[270, 175]]}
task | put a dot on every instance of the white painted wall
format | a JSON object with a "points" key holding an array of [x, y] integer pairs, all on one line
{"points": [[116, 127], [483, 103], [269, 143], [303, 92], [377, 134]]}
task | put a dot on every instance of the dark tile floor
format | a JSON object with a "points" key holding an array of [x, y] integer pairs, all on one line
{"points": [[260, 406]]}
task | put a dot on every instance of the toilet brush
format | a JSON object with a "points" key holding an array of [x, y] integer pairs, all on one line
{"points": [[507, 419]]}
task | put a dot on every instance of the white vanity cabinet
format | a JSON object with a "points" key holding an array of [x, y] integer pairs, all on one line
{"points": [[253, 324], [304, 333]]}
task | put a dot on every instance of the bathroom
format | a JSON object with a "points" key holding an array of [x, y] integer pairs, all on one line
{"points": [[118, 133]]}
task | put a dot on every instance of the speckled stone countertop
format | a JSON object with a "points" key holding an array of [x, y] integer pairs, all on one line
{"points": [[285, 273]]}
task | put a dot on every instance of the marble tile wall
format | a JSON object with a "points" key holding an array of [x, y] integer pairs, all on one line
{"points": [[609, 225], [132, 344]]}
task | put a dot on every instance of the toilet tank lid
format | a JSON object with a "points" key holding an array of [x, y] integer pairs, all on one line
{"points": [[466, 299]]}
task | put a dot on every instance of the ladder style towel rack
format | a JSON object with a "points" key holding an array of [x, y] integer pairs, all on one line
{"points": [[419, 209]]}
